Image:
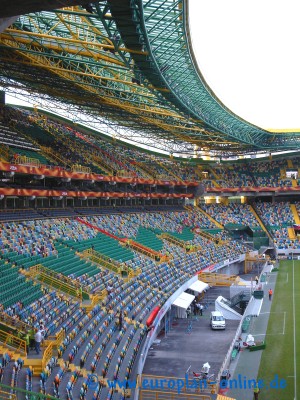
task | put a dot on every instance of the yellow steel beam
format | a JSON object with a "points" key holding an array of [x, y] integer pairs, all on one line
{"points": [[141, 108], [42, 62], [20, 36], [69, 40], [284, 130], [66, 74], [60, 47]]}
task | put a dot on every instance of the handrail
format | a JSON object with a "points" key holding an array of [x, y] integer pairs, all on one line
{"points": [[209, 237], [103, 164], [173, 240], [38, 272], [24, 160], [66, 279], [13, 341], [81, 168], [47, 355], [125, 173], [207, 387], [7, 395], [147, 251], [215, 279], [97, 298], [53, 155], [4, 152], [181, 243], [162, 395], [5, 390], [101, 259], [58, 338], [13, 323]]}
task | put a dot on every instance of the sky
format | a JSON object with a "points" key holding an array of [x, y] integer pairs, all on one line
{"points": [[248, 52]]}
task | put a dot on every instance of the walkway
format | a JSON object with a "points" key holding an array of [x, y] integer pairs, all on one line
{"points": [[246, 366]]}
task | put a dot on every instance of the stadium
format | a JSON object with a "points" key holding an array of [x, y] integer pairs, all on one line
{"points": [[134, 206]]}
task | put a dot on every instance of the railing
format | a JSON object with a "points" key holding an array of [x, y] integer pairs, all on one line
{"points": [[61, 277], [22, 394], [39, 272], [173, 240], [181, 243], [97, 298], [151, 395], [102, 260], [53, 155], [23, 160], [4, 152], [98, 160], [13, 323], [81, 168], [125, 173], [47, 355], [215, 279], [145, 167], [210, 237], [12, 341], [57, 339], [144, 250], [187, 390], [241, 296], [7, 395]]}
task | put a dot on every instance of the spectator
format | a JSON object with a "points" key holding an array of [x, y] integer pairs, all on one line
{"points": [[38, 339]]}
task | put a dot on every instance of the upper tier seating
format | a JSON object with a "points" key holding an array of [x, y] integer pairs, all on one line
{"points": [[232, 214]]}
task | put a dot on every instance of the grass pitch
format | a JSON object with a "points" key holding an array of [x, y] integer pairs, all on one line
{"points": [[282, 354]]}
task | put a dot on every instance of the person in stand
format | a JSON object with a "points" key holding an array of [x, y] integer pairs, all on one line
{"points": [[27, 340], [38, 338], [256, 391], [270, 294], [56, 383], [201, 309], [120, 321], [109, 289], [194, 304], [31, 338]]}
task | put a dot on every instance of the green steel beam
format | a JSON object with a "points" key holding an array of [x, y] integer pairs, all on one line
{"points": [[130, 61], [160, 27]]}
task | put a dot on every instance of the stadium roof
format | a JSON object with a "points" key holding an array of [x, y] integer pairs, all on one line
{"points": [[130, 63]]}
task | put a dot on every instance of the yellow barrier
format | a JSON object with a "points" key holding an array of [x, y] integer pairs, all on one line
{"points": [[12, 341], [97, 298], [57, 339], [214, 279], [4, 152], [125, 174], [151, 395], [99, 161], [41, 274], [210, 237], [181, 243], [102, 260], [188, 389], [23, 160], [7, 396], [13, 323], [144, 250], [81, 168], [48, 352], [53, 155]]}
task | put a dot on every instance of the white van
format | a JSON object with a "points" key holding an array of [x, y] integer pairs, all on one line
{"points": [[217, 320]]}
